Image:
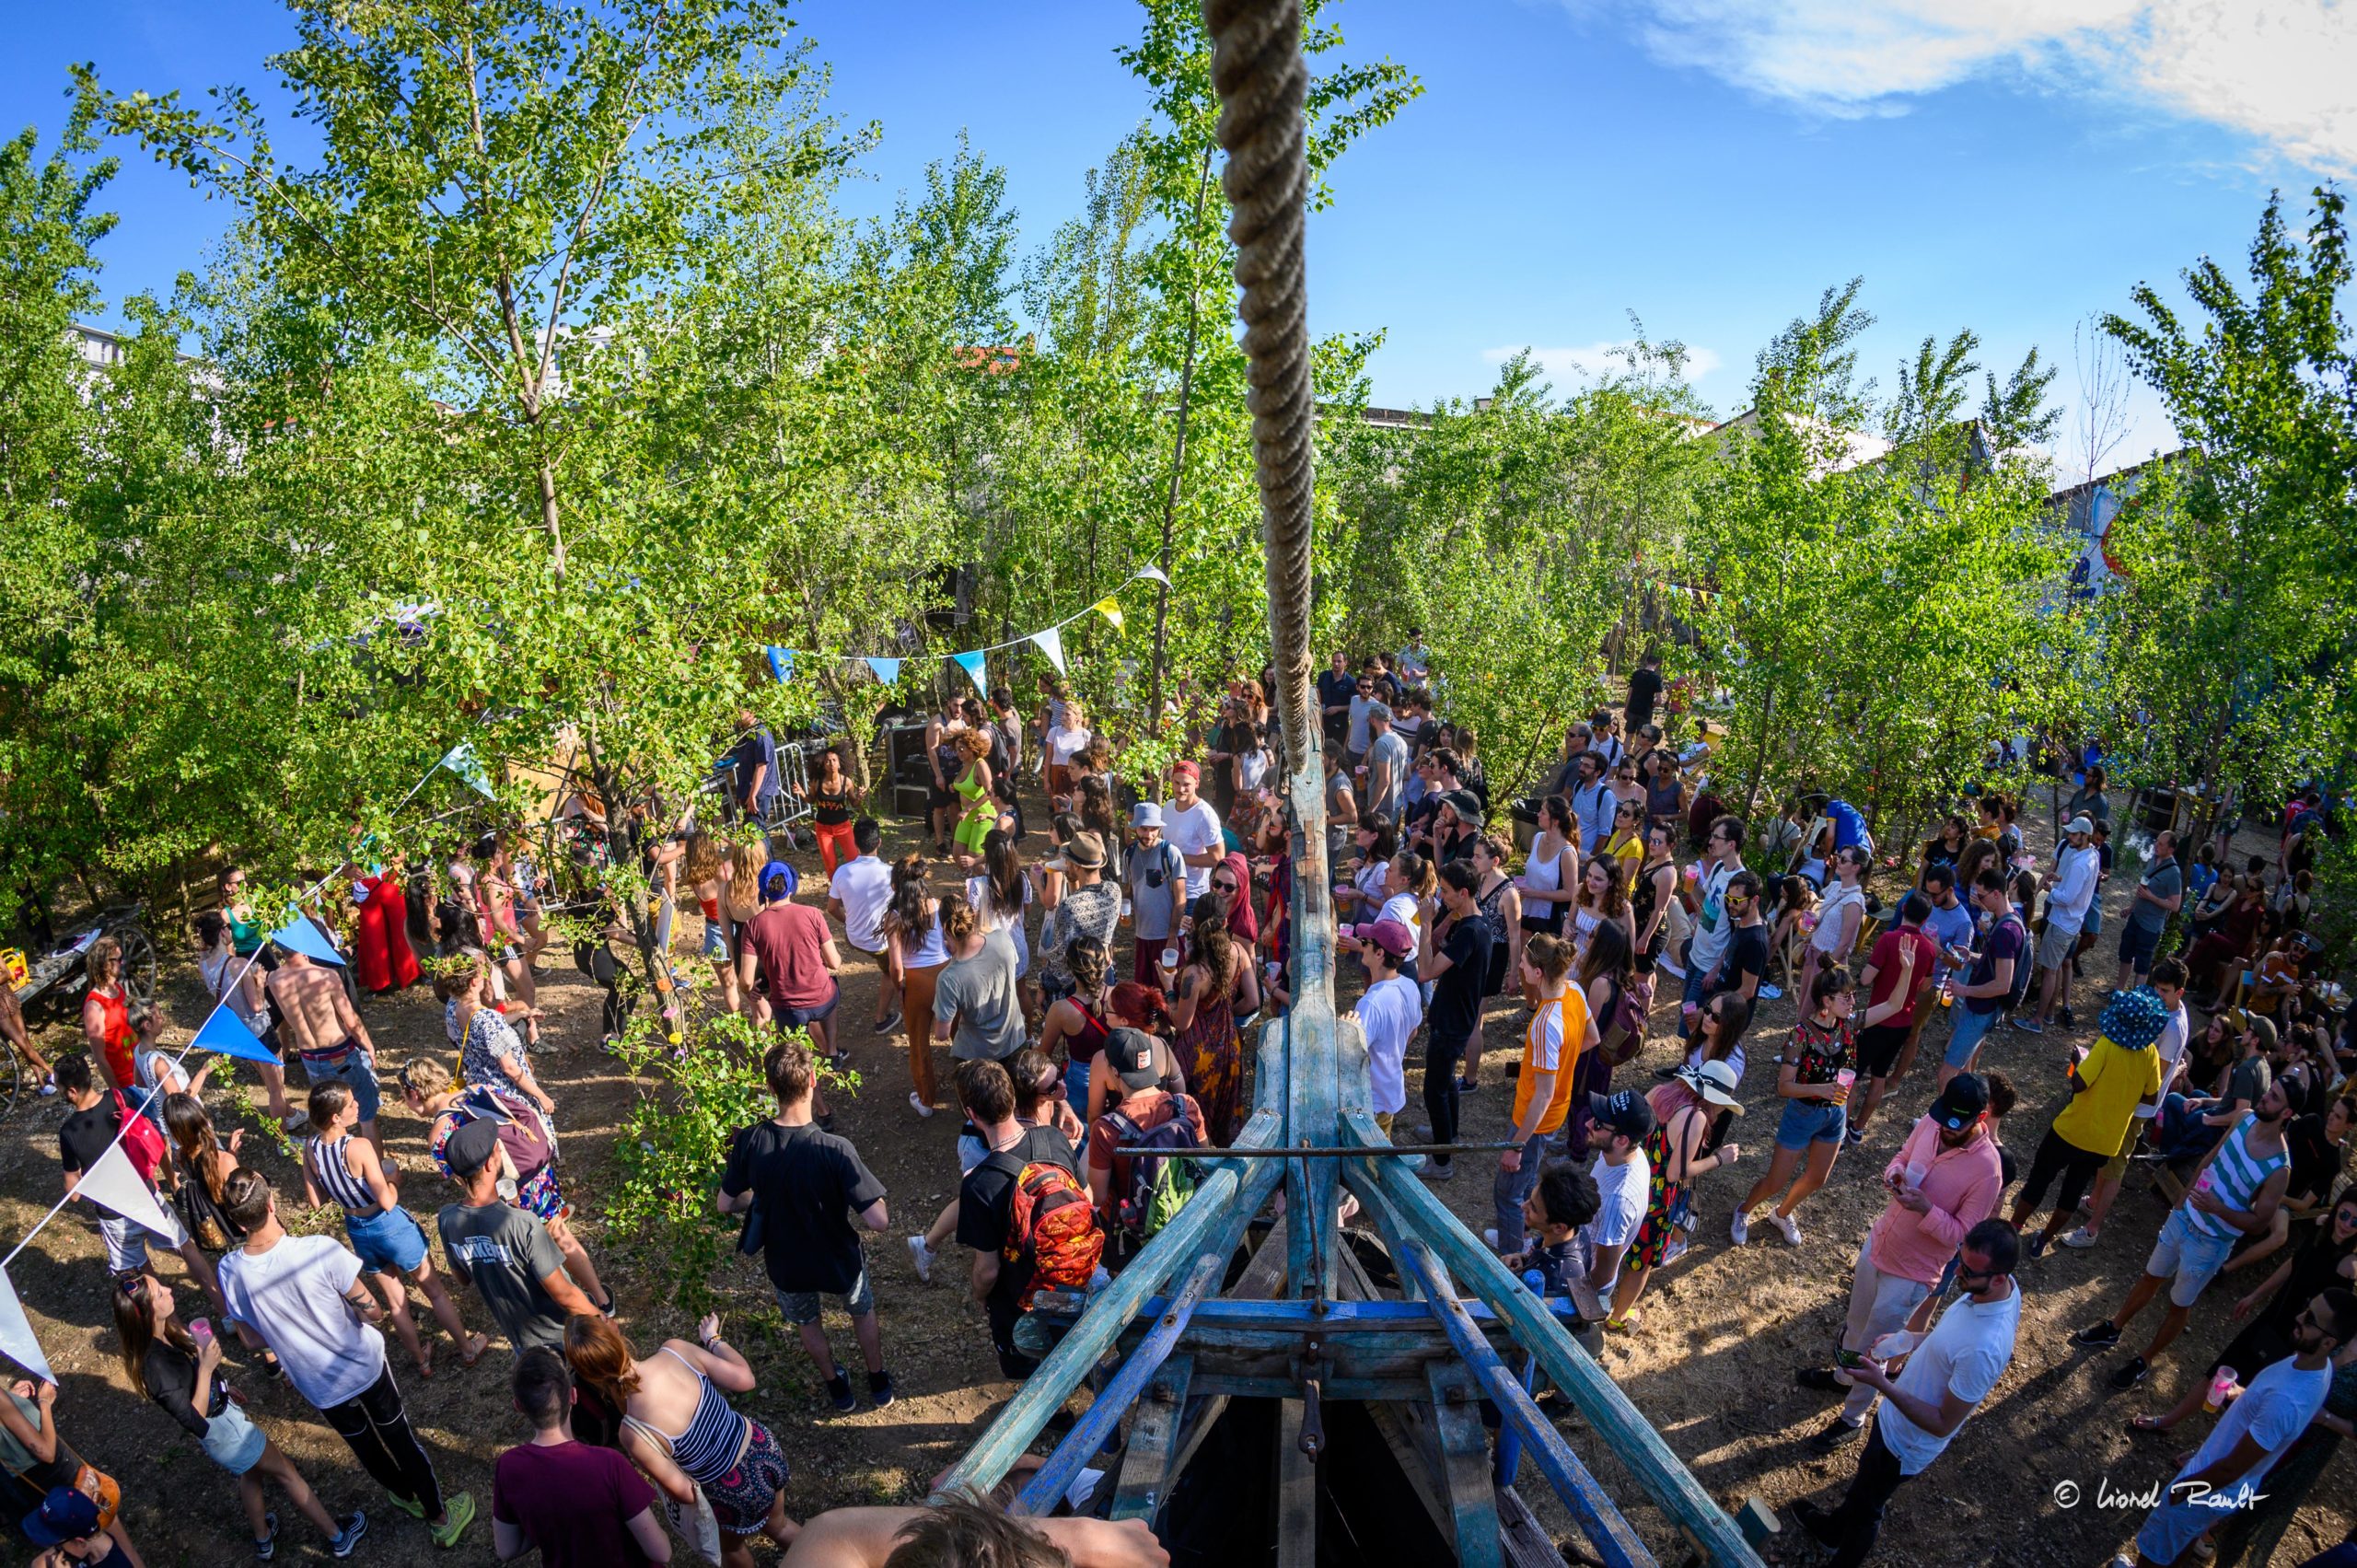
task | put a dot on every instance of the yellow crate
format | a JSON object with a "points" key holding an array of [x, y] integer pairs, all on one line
{"points": [[12, 964]]}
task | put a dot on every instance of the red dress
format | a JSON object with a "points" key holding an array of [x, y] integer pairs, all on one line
{"points": [[380, 942]]}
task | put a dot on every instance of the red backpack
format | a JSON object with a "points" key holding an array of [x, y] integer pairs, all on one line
{"points": [[141, 1143], [1052, 1222]]}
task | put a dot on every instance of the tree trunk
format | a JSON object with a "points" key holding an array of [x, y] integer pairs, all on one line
{"points": [[1178, 469], [1759, 762], [549, 518]]}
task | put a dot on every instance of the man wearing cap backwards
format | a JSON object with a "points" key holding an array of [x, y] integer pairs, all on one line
{"points": [[795, 951], [1944, 1181], [2107, 1087], [1145, 1104], [1389, 1010], [1155, 877], [1940, 1382], [1193, 827], [503, 1251], [2237, 1190], [2078, 874]]}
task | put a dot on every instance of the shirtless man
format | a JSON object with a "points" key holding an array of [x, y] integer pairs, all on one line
{"points": [[503, 936], [320, 1022]]}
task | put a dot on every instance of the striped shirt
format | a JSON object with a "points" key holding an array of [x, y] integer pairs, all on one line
{"points": [[2234, 1177], [335, 1178]]}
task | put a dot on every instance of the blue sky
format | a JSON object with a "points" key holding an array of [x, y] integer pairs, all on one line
{"points": [[2010, 165]]}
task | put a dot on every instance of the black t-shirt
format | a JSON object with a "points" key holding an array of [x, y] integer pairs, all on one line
{"points": [[2315, 1159], [806, 1183], [986, 1205], [1746, 955], [1644, 691], [84, 1135], [171, 1383], [1456, 1010], [1336, 691]]}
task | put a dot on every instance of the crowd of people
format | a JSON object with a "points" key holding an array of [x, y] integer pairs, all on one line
{"points": [[1086, 1083]]}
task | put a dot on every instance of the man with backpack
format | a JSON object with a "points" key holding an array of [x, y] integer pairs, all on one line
{"points": [[94, 1119], [1998, 979], [1022, 1208], [1136, 1194]]}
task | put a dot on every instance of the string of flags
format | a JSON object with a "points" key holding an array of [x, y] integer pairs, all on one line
{"points": [[112, 1181], [1049, 639]]}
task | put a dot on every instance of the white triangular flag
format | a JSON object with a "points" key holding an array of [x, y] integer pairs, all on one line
{"points": [[114, 1182], [17, 1341], [1051, 642]]}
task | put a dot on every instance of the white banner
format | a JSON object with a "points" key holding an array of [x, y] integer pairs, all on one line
{"points": [[17, 1341], [114, 1182]]}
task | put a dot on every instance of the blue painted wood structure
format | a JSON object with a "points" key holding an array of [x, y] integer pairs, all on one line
{"points": [[1160, 1341]]}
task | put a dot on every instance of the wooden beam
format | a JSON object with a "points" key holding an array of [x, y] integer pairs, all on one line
{"points": [[1148, 1472], [1522, 1540], [1465, 1459], [1297, 1492]]}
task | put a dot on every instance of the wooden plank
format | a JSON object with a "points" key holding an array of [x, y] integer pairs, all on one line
{"points": [[1297, 1492], [1221, 1208], [1365, 1390], [1607, 1409], [1415, 1451], [1465, 1459], [1522, 1540], [1148, 1471]]}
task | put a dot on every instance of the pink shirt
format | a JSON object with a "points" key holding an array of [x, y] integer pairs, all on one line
{"points": [[1962, 1185]]}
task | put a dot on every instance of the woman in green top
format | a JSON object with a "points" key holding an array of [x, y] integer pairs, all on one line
{"points": [[979, 813]]}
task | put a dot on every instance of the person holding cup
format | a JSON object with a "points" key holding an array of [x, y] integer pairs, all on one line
{"points": [[1945, 1179], [1813, 1075], [2107, 1087], [179, 1368]]}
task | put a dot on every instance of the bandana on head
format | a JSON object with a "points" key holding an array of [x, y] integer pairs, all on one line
{"points": [[2132, 1019]]}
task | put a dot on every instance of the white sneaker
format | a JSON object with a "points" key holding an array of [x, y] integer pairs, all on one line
{"points": [[1741, 1231], [1490, 1239], [918, 1106], [48, 1087], [2079, 1238], [921, 1255], [1673, 1252], [1789, 1225]]}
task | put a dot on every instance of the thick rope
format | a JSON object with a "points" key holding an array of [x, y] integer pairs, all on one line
{"points": [[1257, 71]]}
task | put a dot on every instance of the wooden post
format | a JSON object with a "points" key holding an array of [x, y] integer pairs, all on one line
{"points": [[1465, 1461], [1297, 1492], [1147, 1469]]}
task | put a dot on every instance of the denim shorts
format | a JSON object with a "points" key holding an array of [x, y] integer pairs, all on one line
{"points": [[715, 941], [1805, 1123], [2188, 1258], [233, 1442], [794, 1017], [354, 1069], [802, 1307], [1970, 1030], [388, 1240]]}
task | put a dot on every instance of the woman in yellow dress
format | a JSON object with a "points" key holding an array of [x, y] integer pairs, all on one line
{"points": [[979, 809]]}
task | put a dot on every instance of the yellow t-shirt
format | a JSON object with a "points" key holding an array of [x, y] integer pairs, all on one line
{"points": [[2117, 1079], [1631, 853]]}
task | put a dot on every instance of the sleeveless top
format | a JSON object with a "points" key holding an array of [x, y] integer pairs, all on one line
{"points": [[928, 953], [1660, 801], [1552, 919], [1090, 1041], [116, 1030], [2234, 1176], [707, 1450], [829, 810], [742, 903], [329, 1168], [1642, 902]]}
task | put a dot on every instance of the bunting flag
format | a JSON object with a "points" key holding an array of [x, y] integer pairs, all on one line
{"points": [[780, 664], [113, 1182], [1051, 642], [972, 665], [886, 670], [17, 1341], [1112, 611], [1152, 575], [299, 935], [228, 1035], [461, 760]]}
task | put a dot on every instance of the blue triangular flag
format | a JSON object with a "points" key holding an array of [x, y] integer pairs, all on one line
{"points": [[299, 935], [226, 1033], [972, 665], [461, 760], [780, 664], [888, 671]]}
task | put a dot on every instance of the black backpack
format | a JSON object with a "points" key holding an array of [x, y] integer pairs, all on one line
{"points": [[2024, 966]]}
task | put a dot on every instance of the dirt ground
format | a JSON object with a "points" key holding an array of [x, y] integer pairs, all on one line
{"points": [[1711, 1366]]}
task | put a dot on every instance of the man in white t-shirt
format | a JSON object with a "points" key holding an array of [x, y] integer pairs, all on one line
{"points": [[1617, 1126], [1943, 1377], [1191, 827], [2225, 1472], [2177, 1031], [301, 1296], [1713, 926], [857, 895], [1389, 1011]]}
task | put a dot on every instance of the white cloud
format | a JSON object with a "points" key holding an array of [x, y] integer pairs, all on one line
{"points": [[2282, 70], [1586, 364]]}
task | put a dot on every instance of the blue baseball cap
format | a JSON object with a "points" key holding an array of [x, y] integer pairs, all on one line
{"points": [[778, 881], [66, 1513]]}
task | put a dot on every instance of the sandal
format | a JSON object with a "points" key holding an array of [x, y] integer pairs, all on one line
{"points": [[467, 1358]]}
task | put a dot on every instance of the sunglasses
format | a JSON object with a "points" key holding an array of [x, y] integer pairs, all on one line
{"points": [[1223, 887]]}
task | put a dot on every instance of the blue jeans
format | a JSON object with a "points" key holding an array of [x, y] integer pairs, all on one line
{"points": [[1512, 1189], [1970, 1030], [2182, 1133], [1691, 992]]}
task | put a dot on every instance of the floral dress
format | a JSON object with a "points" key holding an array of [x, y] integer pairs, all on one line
{"points": [[1665, 1201], [1211, 1053]]}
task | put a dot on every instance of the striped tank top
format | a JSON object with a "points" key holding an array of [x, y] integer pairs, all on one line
{"points": [[2234, 1176], [707, 1450], [334, 1177]]}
